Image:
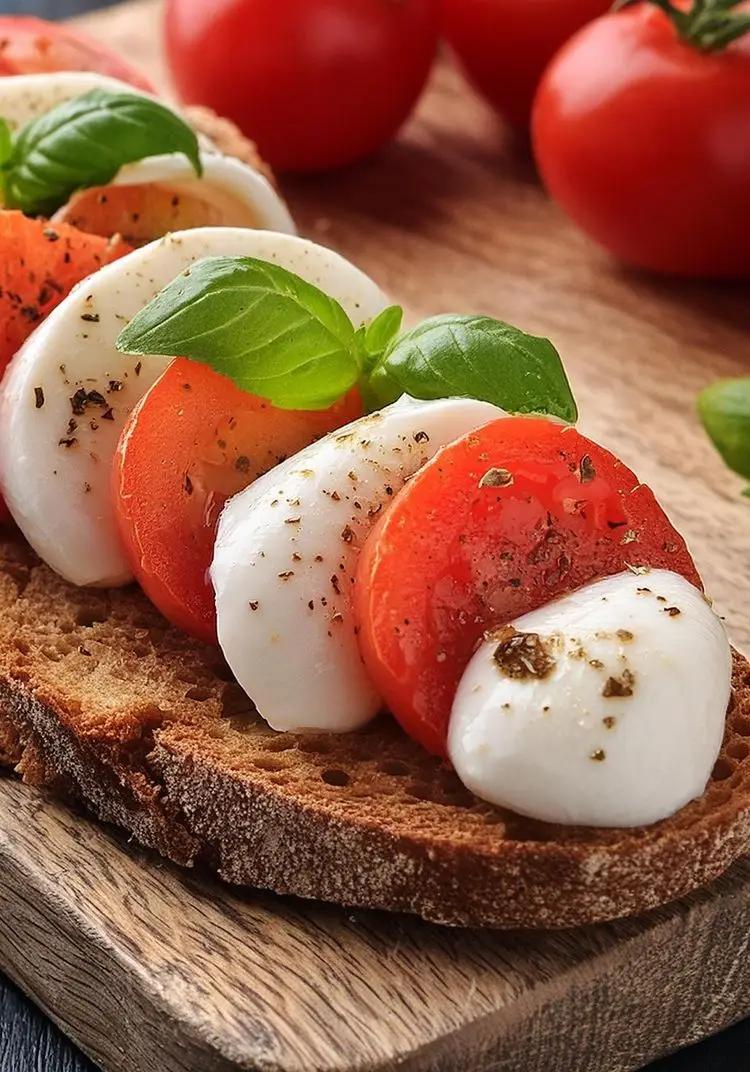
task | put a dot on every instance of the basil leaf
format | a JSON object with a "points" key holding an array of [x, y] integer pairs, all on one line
{"points": [[269, 331], [474, 357], [373, 338], [84, 142], [6, 142], [724, 409]]}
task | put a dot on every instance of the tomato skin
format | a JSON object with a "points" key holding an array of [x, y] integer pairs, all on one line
{"points": [[194, 440], [316, 83], [29, 45], [645, 142], [504, 45], [452, 558]]}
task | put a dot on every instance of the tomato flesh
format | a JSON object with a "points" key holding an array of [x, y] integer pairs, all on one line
{"points": [[145, 211], [29, 45], [193, 441], [497, 524], [39, 264]]}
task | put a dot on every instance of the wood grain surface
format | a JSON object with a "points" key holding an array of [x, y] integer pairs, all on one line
{"points": [[148, 968]]}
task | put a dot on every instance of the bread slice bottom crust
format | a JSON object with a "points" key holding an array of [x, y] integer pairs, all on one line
{"points": [[102, 701]]}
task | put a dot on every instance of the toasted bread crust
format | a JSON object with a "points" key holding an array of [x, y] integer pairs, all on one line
{"points": [[105, 703]]}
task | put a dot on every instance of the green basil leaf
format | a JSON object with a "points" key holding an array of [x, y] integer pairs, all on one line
{"points": [[474, 357], [724, 409], [84, 142], [373, 338], [272, 333], [6, 142]]}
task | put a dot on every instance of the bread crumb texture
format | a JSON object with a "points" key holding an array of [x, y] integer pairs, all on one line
{"points": [[102, 701]]}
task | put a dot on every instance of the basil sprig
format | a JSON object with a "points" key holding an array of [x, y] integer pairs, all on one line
{"points": [[281, 338], [724, 409], [84, 142], [475, 357]]}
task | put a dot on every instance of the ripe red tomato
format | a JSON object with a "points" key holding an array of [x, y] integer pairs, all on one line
{"points": [[316, 83], [644, 140], [30, 46], [497, 524], [504, 45], [194, 440]]}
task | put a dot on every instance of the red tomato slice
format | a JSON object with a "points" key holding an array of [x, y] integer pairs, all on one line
{"points": [[29, 45], [39, 264], [192, 442], [140, 212], [497, 524]]}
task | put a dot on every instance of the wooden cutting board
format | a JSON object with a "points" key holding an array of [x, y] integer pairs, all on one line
{"points": [[149, 968]]}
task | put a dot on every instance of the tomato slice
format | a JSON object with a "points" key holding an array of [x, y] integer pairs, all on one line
{"points": [[29, 45], [40, 263], [194, 440], [140, 212], [497, 524]]}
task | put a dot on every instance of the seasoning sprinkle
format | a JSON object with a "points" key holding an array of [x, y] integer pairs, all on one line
{"points": [[522, 655], [38, 397], [598, 755], [348, 534], [242, 464], [586, 470], [609, 721], [639, 571], [253, 604], [672, 611], [421, 437], [90, 318], [496, 478], [619, 686], [625, 635], [629, 537]]}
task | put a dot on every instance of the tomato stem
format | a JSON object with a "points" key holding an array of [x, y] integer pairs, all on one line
{"points": [[709, 25]]}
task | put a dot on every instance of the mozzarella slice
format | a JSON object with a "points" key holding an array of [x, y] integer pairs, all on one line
{"points": [[27, 96], [286, 555], [606, 708], [156, 195], [55, 459]]}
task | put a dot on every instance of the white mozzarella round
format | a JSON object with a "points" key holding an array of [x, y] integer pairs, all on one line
{"points": [[286, 555], [27, 96], [606, 708], [54, 474], [239, 195]]}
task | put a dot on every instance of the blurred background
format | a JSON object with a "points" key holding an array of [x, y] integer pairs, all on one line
{"points": [[51, 9]]}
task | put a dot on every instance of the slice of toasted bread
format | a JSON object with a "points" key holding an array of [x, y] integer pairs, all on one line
{"points": [[105, 702]]}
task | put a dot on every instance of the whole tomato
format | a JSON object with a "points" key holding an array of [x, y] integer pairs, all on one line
{"points": [[29, 45], [504, 45], [641, 130], [316, 83]]}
